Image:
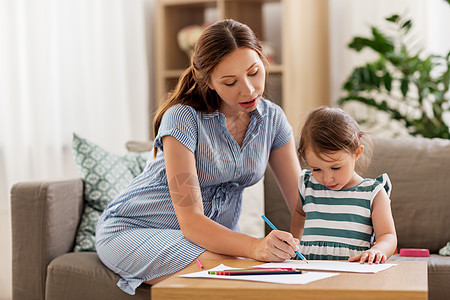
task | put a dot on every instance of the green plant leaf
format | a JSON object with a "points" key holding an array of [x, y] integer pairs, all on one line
{"points": [[381, 43], [396, 58], [407, 25], [359, 43], [404, 86], [387, 81], [394, 18]]}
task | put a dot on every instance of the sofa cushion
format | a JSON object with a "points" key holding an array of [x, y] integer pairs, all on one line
{"points": [[104, 175], [419, 170], [81, 275], [438, 274]]}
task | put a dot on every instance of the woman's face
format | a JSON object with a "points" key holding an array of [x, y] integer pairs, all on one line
{"points": [[239, 81]]}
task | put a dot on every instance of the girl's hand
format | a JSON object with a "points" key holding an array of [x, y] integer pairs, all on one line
{"points": [[277, 246], [371, 255]]}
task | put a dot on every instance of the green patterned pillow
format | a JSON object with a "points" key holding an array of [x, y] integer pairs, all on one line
{"points": [[104, 175]]}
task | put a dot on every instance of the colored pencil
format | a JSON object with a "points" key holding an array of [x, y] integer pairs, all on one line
{"points": [[248, 273], [254, 270], [199, 263]]}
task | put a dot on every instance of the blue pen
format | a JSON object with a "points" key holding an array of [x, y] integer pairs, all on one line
{"points": [[274, 228]]}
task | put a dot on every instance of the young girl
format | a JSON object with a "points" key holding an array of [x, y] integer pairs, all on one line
{"points": [[339, 210]]}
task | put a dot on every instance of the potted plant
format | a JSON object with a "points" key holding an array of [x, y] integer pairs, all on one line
{"points": [[410, 87]]}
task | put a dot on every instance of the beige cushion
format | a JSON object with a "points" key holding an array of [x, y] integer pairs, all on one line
{"points": [[104, 175], [419, 170], [137, 146], [81, 275]]}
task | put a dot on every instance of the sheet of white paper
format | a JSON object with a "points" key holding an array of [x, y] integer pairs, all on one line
{"points": [[327, 265], [284, 279]]}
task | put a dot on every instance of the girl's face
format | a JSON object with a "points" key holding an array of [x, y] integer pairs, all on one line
{"points": [[335, 170], [239, 80]]}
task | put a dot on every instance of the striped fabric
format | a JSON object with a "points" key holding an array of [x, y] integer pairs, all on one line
{"points": [[338, 223], [138, 235]]}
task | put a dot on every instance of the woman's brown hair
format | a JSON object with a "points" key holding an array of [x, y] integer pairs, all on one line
{"points": [[216, 41], [327, 130]]}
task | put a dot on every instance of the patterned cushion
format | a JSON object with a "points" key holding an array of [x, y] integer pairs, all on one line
{"points": [[104, 175]]}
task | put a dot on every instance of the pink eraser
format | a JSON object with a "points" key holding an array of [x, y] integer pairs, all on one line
{"points": [[415, 252]]}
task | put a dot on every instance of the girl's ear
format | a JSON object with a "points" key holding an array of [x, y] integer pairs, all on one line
{"points": [[359, 151], [210, 86]]}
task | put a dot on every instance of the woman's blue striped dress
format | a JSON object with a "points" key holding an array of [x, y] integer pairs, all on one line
{"points": [[138, 235], [338, 224]]}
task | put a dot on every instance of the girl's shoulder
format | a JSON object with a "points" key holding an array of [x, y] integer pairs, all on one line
{"points": [[304, 178], [376, 184], [306, 174], [384, 182], [303, 183]]}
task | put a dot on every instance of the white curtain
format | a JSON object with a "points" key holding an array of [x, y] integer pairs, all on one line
{"points": [[69, 66], [349, 18]]}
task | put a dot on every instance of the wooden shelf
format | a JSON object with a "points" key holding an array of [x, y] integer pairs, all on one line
{"points": [[275, 68], [174, 73]]}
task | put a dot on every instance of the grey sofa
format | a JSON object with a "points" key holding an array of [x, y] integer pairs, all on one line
{"points": [[45, 216]]}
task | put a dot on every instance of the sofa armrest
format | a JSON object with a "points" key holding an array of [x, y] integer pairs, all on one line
{"points": [[45, 218]]}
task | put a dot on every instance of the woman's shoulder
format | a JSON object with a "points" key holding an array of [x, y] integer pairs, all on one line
{"points": [[267, 106], [180, 113], [272, 113], [179, 116], [180, 109]]}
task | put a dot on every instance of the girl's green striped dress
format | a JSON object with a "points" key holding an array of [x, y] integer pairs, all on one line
{"points": [[338, 223]]}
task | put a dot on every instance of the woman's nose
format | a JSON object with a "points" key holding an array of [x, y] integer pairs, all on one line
{"points": [[247, 88]]}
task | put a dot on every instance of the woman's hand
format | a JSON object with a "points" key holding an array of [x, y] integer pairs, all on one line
{"points": [[371, 255], [277, 246]]}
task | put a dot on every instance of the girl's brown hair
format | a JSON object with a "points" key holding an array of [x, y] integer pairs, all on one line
{"points": [[216, 41], [327, 130]]}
